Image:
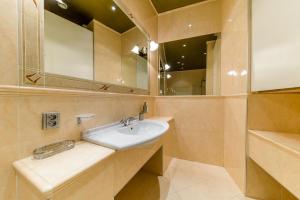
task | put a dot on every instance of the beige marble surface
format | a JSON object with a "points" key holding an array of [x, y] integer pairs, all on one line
{"points": [[198, 126], [234, 47], [235, 123], [21, 125], [279, 155], [205, 18], [274, 112], [51, 173], [9, 42], [145, 17], [107, 52], [183, 180]]}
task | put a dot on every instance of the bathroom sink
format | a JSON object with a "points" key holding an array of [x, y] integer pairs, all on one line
{"points": [[119, 137]]}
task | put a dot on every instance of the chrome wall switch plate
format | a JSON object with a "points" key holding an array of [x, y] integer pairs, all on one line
{"points": [[50, 120]]}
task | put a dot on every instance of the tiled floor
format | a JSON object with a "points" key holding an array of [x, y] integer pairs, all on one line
{"points": [[183, 180]]}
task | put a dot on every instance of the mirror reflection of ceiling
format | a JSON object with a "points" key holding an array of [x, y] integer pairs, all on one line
{"points": [[82, 12], [166, 5], [186, 54]]}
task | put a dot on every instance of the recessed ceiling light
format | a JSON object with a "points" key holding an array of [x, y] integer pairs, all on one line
{"points": [[184, 45], [190, 25], [169, 76], [167, 66], [182, 57], [113, 8], [178, 62]]}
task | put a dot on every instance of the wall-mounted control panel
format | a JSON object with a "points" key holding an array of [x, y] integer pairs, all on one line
{"points": [[50, 120]]}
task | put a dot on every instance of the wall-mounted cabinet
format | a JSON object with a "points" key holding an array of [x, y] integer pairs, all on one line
{"points": [[275, 44]]}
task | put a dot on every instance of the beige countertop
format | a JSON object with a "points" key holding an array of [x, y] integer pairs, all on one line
{"points": [[289, 142], [51, 173]]}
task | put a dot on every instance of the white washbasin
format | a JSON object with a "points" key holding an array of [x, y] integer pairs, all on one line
{"points": [[119, 137]]}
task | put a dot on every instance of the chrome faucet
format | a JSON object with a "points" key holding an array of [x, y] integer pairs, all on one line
{"points": [[127, 121], [143, 111]]}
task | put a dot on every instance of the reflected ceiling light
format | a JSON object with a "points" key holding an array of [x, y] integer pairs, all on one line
{"points": [[158, 76], [113, 8], [190, 25], [62, 4], [135, 49], [182, 64], [182, 57], [167, 66], [184, 45], [232, 73], [169, 76], [178, 62], [204, 53], [153, 46], [244, 73]]}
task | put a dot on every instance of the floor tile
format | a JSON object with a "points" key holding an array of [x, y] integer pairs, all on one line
{"points": [[183, 180]]}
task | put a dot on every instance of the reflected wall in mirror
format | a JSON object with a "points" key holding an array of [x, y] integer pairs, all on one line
{"points": [[86, 45], [190, 66]]}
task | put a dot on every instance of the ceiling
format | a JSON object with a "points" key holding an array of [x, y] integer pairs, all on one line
{"points": [[82, 12], [194, 53], [166, 5]]}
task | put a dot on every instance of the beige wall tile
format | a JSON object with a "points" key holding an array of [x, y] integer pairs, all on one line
{"points": [[143, 13], [198, 126], [107, 52], [235, 138], [107, 110], [8, 145], [146, 18], [9, 43], [205, 18], [234, 47], [274, 112]]}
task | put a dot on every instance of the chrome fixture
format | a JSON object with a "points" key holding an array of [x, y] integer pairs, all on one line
{"points": [[52, 149], [143, 111], [62, 4], [84, 117], [50, 120], [127, 121]]}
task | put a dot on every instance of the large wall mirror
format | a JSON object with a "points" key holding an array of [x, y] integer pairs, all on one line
{"points": [[190, 66], [82, 44]]}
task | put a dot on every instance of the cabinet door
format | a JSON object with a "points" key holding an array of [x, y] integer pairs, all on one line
{"points": [[275, 44]]}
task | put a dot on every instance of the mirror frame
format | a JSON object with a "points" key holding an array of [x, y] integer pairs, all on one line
{"points": [[35, 76]]}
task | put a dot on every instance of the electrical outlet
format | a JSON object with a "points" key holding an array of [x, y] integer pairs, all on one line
{"points": [[50, 120]]}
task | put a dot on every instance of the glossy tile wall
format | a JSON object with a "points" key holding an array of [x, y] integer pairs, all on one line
{"points": [[204, 18], [235, 138], [198, 126], [234, 47], [21, 125], [9, 43], [271, 112], [145, 15], [234, 86]]}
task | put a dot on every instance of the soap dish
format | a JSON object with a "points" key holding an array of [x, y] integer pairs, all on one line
{"points": [[52, 149]]}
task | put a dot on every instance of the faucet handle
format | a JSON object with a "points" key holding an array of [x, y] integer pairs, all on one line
{"points": [[145, 107]]}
